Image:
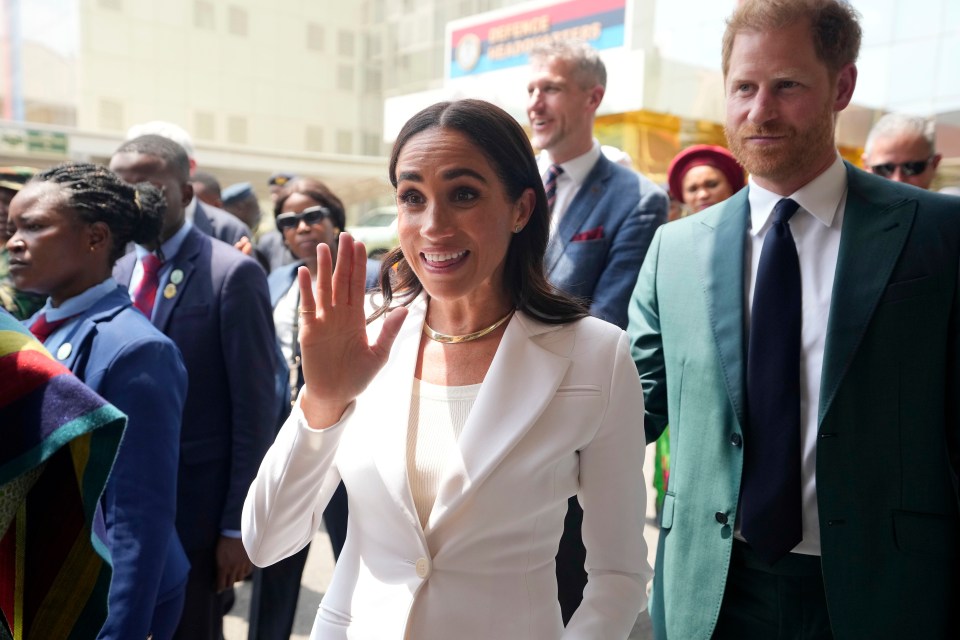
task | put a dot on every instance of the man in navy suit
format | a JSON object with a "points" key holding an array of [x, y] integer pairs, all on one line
{"points": [[212, 301], [603, 217]]}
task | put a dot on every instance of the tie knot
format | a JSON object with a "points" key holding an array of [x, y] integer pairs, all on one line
{"points": [[554, 172], [151, 263], [784, 210]]}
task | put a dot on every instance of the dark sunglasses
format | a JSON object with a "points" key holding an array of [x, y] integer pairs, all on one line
{"points": [[310, 215], [908, 168]]}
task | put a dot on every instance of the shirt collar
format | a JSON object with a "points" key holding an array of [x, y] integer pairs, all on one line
{"points": [[79, 303], [578, 168], [171, 247], [821, 197]]}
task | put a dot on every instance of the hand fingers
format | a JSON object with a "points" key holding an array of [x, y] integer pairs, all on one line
{"points": [[324, 276], [341, 275], [358, 277], [306, 294], [391, 327]]}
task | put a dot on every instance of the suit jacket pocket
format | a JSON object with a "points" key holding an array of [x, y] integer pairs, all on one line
{"points": [[578, 390], [907, 289], [666, 515], [927, 534]]}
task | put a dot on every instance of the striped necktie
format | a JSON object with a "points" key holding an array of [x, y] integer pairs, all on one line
{"points": [[550, 185]]}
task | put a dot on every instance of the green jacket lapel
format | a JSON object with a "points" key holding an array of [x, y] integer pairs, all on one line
{"points": [[719, 239], [876, 223]]}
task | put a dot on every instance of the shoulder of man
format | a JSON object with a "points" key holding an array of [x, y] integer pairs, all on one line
{"points": [[226, 226]]}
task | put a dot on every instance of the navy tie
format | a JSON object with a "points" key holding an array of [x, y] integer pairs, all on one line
{"points": [[770, 500], [550, 185]]}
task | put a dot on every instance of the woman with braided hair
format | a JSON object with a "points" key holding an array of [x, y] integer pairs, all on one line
{"points": [[71, 223]]}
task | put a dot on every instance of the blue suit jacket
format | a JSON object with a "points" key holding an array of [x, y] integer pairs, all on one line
{"points": [[117, 353], [220, 224], [220, 318], [603, 237]]}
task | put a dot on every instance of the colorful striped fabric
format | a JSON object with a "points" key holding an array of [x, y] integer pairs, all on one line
{"points": [[59, 442]]}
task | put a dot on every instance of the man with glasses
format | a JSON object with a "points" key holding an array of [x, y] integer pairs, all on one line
{"points": [[901, 148]]}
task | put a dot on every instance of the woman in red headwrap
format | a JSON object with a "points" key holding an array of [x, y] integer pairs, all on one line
{"points": [[703, 175]]}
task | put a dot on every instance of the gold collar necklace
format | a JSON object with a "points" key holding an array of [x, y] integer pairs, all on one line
{"points": [[469, 337]]}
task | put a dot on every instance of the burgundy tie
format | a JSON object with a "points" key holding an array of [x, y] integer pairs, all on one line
{"points": [[43, 329], [146, 292], [550, 185]]}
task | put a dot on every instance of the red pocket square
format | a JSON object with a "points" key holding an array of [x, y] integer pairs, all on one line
{"points": [[593, 234]]}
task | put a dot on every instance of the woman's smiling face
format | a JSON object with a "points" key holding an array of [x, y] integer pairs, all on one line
{"points": [[455, 217]]}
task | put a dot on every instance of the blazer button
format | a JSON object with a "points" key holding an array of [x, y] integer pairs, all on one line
{"points": [[423, 568], [721, 517], [736, 439]]}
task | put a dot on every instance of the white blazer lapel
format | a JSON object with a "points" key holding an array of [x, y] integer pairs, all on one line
{"points": [[519, 385]]}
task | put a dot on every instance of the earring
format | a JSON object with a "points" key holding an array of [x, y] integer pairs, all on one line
{"points": [[517, 228]]}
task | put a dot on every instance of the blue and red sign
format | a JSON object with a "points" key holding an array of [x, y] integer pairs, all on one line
{"points": [[492, 44]]}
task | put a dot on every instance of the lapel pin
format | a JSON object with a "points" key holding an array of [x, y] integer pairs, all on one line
{"points": [[169, 291], [176, 277], [64, 351]]}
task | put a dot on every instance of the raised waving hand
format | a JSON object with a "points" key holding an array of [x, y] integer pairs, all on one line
{"points": [[337, 358]]}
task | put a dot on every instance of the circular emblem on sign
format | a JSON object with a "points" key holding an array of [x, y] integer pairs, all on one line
{"points": [[468, 51]]}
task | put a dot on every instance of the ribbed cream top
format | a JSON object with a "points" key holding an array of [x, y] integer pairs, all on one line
{"points": [[437, 416]]}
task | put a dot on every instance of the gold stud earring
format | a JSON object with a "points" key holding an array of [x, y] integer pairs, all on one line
{"points": [[517, 228]]}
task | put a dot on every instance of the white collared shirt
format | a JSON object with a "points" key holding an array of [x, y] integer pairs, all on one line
{"points": [[568, 184], [816, 231]]}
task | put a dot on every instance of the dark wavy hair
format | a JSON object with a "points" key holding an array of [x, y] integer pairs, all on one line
{"points": [[315, 190], [133, 213], [503, 142]]}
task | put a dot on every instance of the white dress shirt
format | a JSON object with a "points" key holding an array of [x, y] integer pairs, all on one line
{"points": [[816, 231], [569, 182]]}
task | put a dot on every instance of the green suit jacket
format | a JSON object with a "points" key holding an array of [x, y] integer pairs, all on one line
{"points": [[888, 450]]}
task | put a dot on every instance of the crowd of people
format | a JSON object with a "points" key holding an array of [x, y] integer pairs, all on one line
{"points": [[468, 417]]}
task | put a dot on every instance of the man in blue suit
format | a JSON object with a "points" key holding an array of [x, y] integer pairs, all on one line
{"points": [[212, 301], [603, 217]]}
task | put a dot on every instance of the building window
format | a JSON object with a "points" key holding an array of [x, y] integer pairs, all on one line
{"points": [[203, 16], [345, 43], [372, 80], [314, 36], [345, 77], [112, 5], [344, 142], [237, 21], [111, 115], [237, 129], [371, 144], [314, 141], [204, 126]]}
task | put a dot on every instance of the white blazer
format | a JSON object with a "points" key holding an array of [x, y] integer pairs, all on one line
{"points": [[559, 413]]}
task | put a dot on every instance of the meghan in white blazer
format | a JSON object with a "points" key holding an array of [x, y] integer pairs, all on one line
{"points": [[557, 414]]}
